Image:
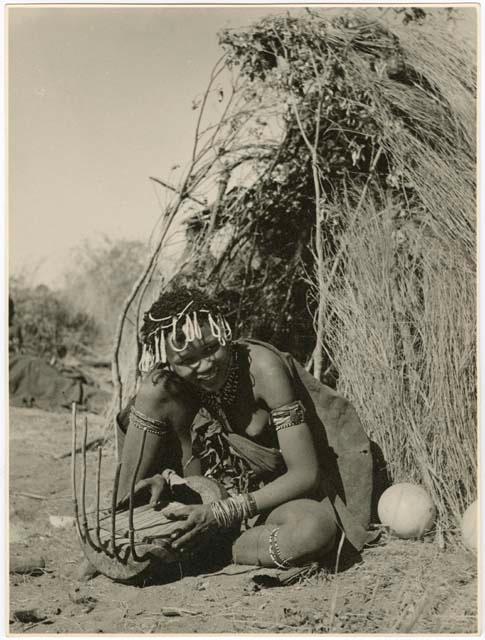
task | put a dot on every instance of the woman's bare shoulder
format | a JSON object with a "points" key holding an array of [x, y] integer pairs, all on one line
{"points": [[262, 358], [272, 380]]}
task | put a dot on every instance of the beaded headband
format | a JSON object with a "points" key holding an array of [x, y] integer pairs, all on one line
{"points": [[155, 347]]}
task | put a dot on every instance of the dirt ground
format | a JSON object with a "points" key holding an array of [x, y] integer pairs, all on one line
{"points": [[397, 586]]}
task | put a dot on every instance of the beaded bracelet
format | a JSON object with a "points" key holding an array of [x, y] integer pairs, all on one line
{"points": [[141, 421], [252, 506]]}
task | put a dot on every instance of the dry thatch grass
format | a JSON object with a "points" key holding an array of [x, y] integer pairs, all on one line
{"points": [[401, 328], [403, 341]]}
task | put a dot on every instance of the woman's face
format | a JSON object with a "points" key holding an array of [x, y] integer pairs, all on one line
{"points": [[204, 362]]}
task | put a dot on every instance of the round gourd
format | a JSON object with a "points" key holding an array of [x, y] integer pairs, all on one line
{"points": [[469, 527], [407, 510]]}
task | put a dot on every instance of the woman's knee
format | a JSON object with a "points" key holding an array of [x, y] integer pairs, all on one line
{"points": [[316, 533], [311, 525]]}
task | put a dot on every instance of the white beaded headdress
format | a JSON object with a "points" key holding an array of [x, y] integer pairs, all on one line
{"points": [[154, 348]]}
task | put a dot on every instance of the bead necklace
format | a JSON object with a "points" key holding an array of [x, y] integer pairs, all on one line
{"points": [[224, 398]]}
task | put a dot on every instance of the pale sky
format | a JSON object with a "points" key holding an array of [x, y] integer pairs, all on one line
{"points": [[99, 100]]}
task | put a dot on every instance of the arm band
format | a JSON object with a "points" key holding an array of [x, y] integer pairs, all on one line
{"points": [[141, 421], [289, 415]]}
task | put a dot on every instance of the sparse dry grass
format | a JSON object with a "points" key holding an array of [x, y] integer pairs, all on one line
{"points": [[398, 585]]}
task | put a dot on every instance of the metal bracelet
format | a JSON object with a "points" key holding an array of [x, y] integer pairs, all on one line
{"points": [[141, 421], [250, 506], [234, 510], [219, 514], [225, 513]]}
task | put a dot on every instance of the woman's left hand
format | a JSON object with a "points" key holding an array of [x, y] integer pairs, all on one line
{"points": [[194, 521]]}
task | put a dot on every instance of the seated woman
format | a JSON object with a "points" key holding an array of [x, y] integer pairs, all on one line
{"points": [[288, 449]]}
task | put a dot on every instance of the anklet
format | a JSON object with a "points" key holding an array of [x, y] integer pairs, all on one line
{"points": [[275, 551]]}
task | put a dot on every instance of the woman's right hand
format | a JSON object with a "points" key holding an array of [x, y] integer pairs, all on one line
{"points": [[157, 486]]}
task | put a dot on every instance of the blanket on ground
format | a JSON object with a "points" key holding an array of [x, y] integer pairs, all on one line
{"points": [[33, 382]]}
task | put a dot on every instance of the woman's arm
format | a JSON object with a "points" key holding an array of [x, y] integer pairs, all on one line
{"points": [[273, 387], [164, 407]]}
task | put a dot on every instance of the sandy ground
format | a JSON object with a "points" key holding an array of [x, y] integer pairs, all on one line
{"points": [[397, 586]]}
